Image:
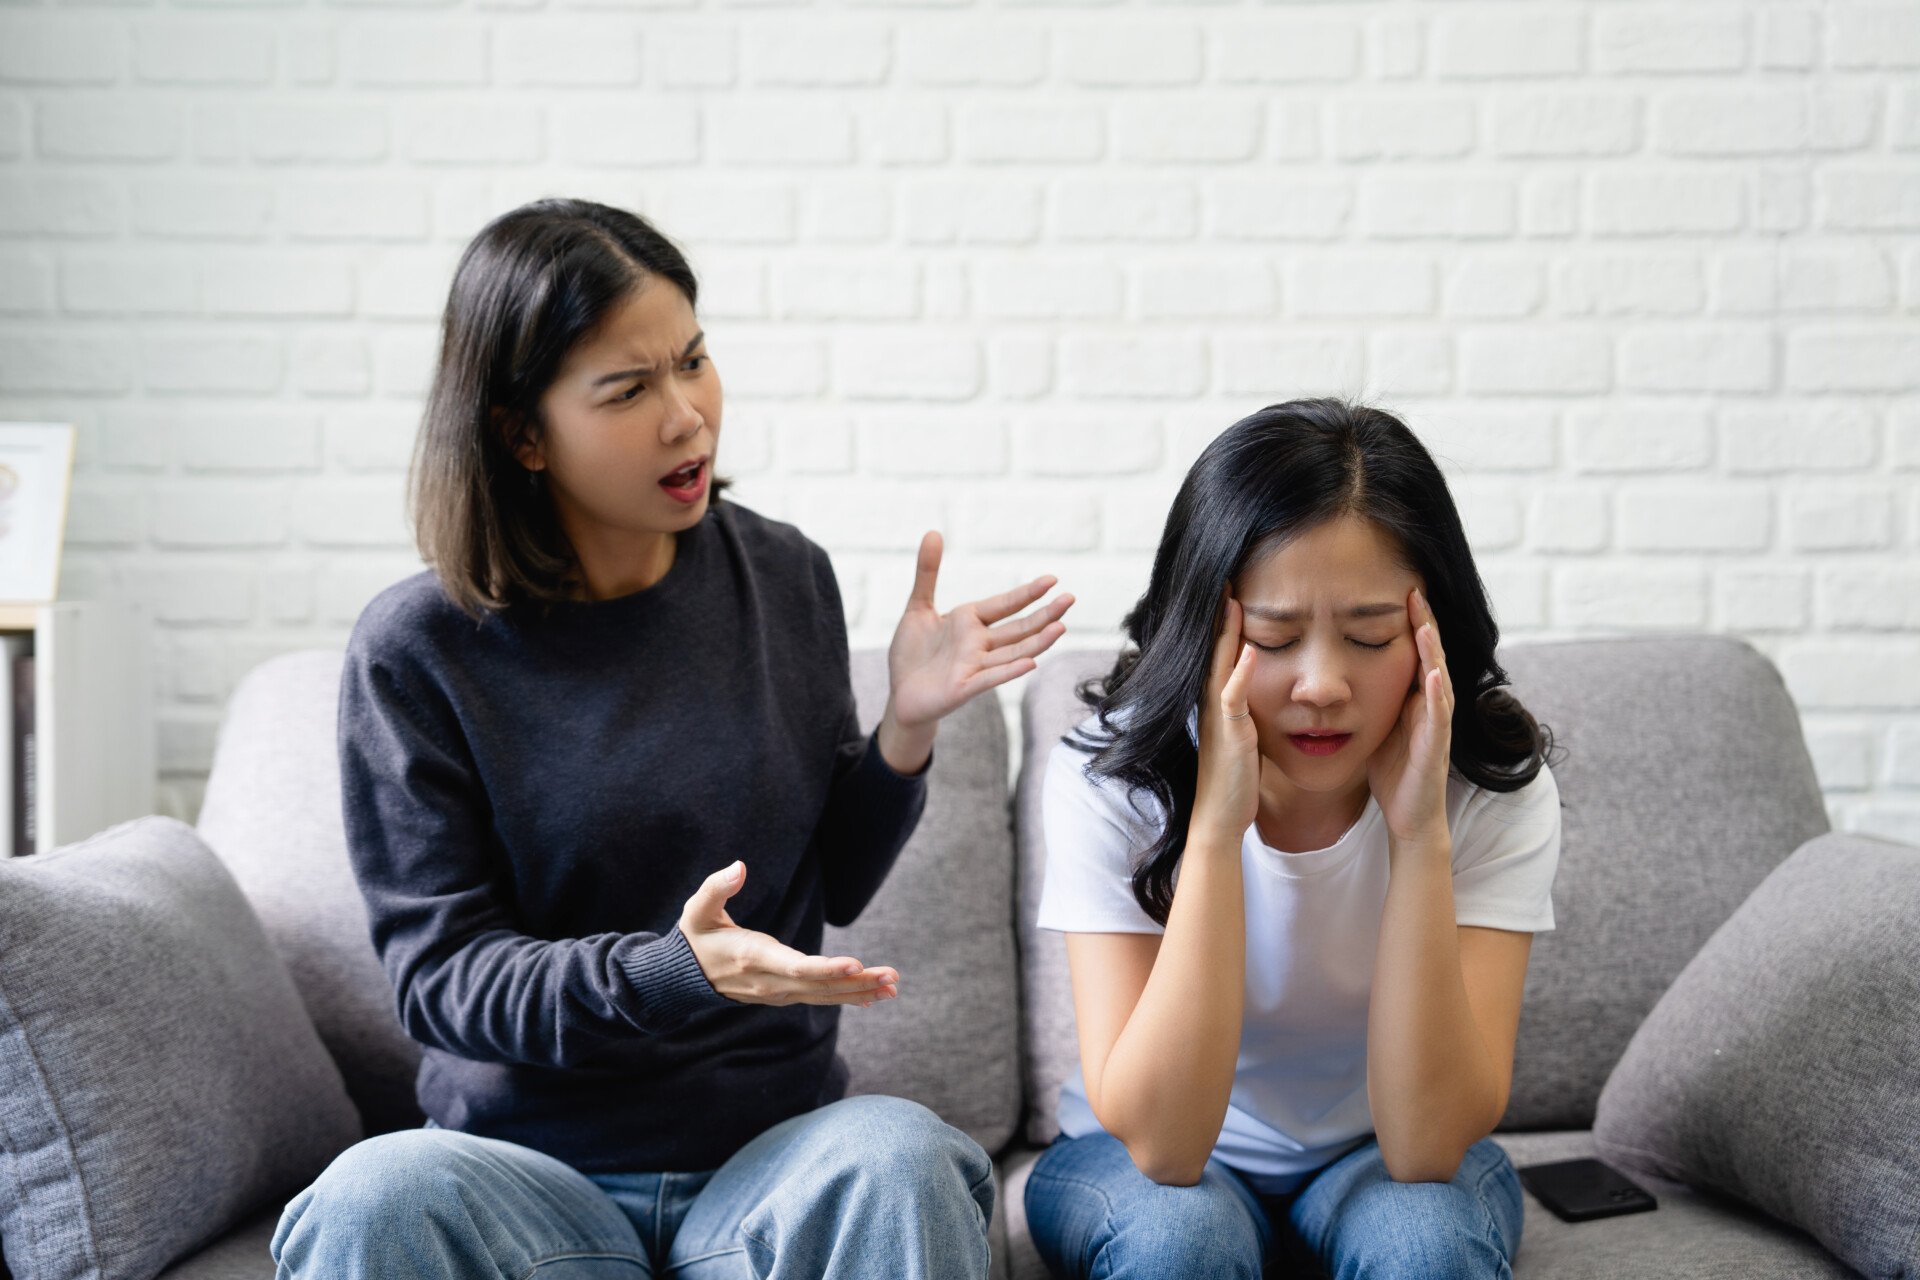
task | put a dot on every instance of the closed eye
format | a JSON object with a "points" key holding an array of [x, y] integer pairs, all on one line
{"points": [[1282, 648]]}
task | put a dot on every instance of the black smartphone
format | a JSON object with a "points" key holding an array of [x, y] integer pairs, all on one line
{"points": [[1581, 1190]]}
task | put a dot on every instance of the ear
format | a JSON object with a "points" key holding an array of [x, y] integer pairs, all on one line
{"points": [[520, 442]]}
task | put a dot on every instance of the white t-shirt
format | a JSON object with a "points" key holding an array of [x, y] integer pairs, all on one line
{"points": [[1299, 1096]]}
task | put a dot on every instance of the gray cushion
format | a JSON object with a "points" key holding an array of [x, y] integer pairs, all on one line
{"points": [[272, 813], [1685, 779], [1691, 1236], [1783, 1066], [944, 918], [159, 1078], [241, 1254]]}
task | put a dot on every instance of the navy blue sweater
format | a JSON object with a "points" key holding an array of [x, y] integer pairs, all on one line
{"points": [[530, 800]]}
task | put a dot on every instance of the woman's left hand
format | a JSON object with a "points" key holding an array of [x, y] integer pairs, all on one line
{"points": [[1408, 772], [938, 661]]}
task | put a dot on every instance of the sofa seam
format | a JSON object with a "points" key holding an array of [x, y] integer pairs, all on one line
{"points": [[89, 1234]]}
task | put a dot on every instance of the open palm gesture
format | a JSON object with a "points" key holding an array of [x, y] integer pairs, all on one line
{"points": [[938, 661]]}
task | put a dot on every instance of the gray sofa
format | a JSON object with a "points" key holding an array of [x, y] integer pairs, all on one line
{"points": [[1665, 835]]}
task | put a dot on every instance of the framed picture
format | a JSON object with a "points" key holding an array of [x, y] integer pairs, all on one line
{"points": [[36, 472]]}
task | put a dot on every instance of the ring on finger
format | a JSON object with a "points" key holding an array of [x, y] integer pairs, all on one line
{"points": [[1243, 715]]}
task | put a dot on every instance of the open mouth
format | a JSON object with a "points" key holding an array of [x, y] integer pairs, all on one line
{"points": [[1319, 744], [689, 483]]}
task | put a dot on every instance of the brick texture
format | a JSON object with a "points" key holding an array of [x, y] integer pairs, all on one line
{"points": [[1645, 277]]}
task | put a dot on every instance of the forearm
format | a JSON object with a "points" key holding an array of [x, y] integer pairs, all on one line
{"points": [[1164, 1087], [1430, 1082], [870, 813], [502, 996]]}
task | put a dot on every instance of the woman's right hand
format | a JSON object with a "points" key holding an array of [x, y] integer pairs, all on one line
{"points": [[754, 968], [1226, 798]]}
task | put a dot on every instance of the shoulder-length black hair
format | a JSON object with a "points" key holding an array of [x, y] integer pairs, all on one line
{"points": [[532, 284], [1268, 478]]}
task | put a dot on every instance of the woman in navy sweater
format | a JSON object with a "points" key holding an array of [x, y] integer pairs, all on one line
{"points": [[603, 785]]}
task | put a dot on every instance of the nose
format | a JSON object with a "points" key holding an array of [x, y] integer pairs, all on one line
{"points": [[1320, 681], [682, 418]]}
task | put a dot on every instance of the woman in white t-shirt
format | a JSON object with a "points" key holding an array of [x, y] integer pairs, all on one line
{"points": [[1299, 851]]}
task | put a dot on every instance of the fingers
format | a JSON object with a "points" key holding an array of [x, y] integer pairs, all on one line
{"points": [[1436, 686], [981, 681], [785, 976], [1031, 647], [1226, 645], [1007, 603], [707, 908], [925, 570], [1427, 636], [1021, 628], [1432, 623], [1233, 696]]}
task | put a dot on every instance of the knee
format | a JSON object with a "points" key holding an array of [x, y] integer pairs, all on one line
{"points": [[899, 1143], [1197, 1231], [369, 1190], [394, 1177], [1430, 1229], [1094, 1204]]}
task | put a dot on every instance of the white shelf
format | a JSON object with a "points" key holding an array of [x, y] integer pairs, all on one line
{"points": [[93, 716]]}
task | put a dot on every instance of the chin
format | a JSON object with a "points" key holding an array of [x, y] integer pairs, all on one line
{"points": [[685, 517], [1329, 781]]}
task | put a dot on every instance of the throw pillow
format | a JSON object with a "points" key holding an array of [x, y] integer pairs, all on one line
{"points": [[1783, 1065], [160, 1080]]}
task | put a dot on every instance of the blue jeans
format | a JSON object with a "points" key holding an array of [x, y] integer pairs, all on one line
{"points": [[866, 1188], [1095, 1216]]}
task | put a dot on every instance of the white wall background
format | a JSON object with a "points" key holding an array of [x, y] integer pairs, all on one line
{"points": [[1646, 274]]}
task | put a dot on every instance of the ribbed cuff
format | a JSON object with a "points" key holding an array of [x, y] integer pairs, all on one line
{"points": [[875, 761], [667, 983]]}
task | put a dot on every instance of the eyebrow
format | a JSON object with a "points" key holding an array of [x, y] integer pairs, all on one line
{"points": [[1271, 614], [604, 379]]}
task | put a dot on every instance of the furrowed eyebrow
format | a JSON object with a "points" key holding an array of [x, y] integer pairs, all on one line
{"points": [[1270, 614], [604, 379]]}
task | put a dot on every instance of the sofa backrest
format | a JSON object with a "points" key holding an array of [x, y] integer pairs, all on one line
{"points": [[272, 813], [1684, 780], [944, 917]]}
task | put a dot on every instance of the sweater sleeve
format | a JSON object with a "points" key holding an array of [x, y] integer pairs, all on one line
{"points": [[466, 978], [871, 809]]}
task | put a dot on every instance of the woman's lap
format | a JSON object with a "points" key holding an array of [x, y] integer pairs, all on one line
{"points": [[1094, 1214], [815, 1191]]}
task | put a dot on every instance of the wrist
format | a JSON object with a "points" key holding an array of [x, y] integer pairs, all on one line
{"points": [[1208, 835], [1432, 843], [905, 749]]}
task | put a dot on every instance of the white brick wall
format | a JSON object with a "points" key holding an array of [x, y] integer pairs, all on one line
{"points": [[1646, 276]]}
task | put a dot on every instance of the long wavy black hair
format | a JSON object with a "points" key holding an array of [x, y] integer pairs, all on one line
{"points": [[1265, 480]]}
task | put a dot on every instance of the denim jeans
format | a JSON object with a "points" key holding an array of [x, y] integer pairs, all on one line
{"points": [[1093, 1214], [866, 1188]]}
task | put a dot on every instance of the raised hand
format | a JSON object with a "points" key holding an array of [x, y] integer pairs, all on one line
{"points": [[1408, 772], [1226, 797], [938, 661], [755, 968]]}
